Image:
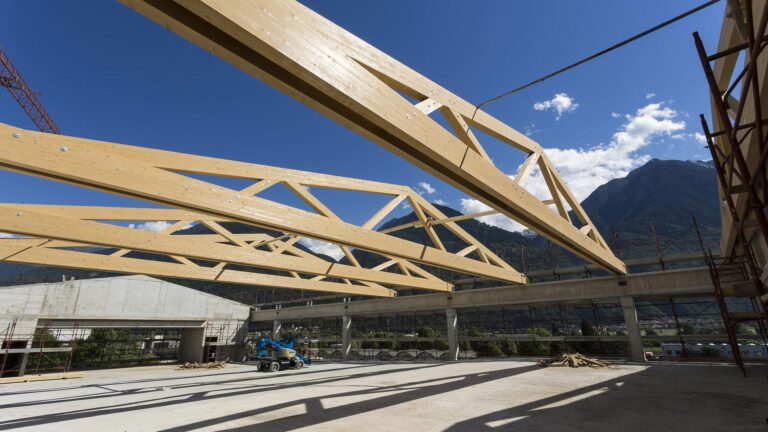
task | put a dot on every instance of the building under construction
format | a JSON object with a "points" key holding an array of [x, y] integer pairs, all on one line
{"points": [[421, 323]]}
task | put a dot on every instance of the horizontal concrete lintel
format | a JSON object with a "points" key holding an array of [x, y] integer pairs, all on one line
{"points": [[639, 286], [591, 267], [694, 338], [35, 350], [107, 323]]}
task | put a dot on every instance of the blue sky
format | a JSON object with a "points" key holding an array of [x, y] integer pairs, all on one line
{"points": [[108, 73]]}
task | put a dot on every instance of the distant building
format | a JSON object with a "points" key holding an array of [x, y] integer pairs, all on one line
{"points": [[748, 351]]}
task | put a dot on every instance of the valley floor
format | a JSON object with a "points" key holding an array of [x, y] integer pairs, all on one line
{"points": [[462, 396]]}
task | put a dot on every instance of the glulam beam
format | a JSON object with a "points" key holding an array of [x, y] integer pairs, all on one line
{"points": [[310, 58]]}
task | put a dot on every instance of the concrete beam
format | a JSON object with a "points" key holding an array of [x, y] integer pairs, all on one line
{"points": [[118, 323], [638, 286], [30, 350], [589, 267]]}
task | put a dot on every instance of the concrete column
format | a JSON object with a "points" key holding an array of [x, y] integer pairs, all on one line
{"points": [[276, 327], [192, 345], [346, 336], [452, 330], [633, 329], [24, 360]]}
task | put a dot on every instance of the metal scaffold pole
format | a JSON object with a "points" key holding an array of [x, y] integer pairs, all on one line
{"points": [[739, 154]]}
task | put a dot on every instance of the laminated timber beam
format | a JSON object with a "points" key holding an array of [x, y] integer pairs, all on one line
{"points": [[38, 251], [322, 65], [88, 233], [419, 223], [57, 221], [159, 177]]}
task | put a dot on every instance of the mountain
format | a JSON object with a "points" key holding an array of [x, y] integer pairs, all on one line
{"points": [[520, 251], [664, 193], [239, 228]]}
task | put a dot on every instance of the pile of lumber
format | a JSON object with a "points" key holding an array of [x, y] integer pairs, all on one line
{"points": [[574, 361], [42, 377], [209, 365]]}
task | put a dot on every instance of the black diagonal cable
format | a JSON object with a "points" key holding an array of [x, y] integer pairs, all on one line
{"points": [[605, 51]]}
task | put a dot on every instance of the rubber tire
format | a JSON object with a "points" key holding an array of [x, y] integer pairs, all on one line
{"points": [[298, 364], [274, 367]]}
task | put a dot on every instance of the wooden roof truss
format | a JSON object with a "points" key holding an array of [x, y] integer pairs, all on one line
{"points": [[167, 178], [310, 58]]}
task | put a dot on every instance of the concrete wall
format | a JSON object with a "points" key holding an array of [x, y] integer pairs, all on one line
{"points": [[126, 301], [120, 298]]}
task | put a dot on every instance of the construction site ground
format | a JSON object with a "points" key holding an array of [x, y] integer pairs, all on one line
{"points": [[462, 396]]}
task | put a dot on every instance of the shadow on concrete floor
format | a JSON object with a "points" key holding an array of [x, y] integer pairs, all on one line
{"points": [[250, 390], [709, 398], [643, 401], [652, 400], [157, 382], [316, 414]]}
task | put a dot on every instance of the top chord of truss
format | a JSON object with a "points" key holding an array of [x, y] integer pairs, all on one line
{"points": [[322, 65]]}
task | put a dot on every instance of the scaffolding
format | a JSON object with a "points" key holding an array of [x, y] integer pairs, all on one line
{"points": [[43, 350], [739, 153]]}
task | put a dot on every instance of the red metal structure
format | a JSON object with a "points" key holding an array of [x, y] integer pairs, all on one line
{"points": [[12, 80]]}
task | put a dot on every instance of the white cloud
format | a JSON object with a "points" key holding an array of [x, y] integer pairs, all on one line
{"points": [[650, 96], [698, 137], [561, 103], [12, 236], [585, 170], [531, 130], [156, 226], [440, 201], [321, 247], [470, 205], [615, 115], [425, 188]]}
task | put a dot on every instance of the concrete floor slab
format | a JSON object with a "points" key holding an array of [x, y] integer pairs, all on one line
{"points": [[463, 396]]}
